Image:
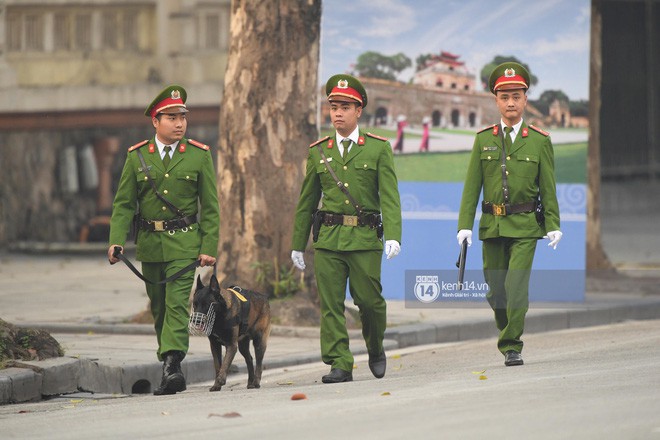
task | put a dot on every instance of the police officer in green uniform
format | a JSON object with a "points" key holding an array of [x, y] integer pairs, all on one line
{"points": [[168, 238], [514, 165], [349, 245]]}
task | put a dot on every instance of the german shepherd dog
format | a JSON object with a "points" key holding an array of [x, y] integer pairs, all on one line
{"points": [[228, 323]]}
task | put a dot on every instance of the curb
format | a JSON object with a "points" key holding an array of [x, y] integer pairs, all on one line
{"points": [[30, 381]]}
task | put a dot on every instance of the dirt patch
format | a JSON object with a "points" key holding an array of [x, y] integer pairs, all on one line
{"points": [[27, 344]]}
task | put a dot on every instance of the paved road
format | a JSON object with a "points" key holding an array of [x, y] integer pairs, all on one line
{"points": [[593, 383]]}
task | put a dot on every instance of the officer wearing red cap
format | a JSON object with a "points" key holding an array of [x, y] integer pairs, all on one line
{"points": [[174, 228], [352, 174], [513, 163]]}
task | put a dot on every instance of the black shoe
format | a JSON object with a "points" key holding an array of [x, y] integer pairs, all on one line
{"points": [[337, 375], [377, 364], [512, 358], [173, 380]]}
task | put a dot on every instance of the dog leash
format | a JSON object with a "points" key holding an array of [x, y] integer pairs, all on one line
{"points": [[192, 266]]}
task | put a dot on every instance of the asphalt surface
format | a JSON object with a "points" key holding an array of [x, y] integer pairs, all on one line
{"points": [[85, 303]]}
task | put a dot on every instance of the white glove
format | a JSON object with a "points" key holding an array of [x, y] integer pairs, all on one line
{"points": [[464, 234], [298, 260], [392, 248], [554, 237]]}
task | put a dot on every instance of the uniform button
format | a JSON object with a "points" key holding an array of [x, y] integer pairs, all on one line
{"points": [[345, 167], [488, 157], [164, 208], [527, 159], [167, 175], [346, 202], [146, 178], [165, 192], [364, 166], [187, 177], [508, 158], [346, 184], [507, 173]]}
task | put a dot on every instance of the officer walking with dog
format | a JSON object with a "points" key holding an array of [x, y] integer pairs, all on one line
{"points": [[169, 184], [513, 163], [352, 173]]}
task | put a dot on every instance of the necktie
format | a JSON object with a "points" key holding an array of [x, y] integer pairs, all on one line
{"points": [[507, 137], [346, 143], [166, 158]]}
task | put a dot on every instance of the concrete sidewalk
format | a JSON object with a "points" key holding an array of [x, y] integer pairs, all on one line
{"points": [[84, 303]]}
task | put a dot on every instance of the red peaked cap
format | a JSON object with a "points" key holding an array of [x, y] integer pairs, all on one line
{"points": [[342, 86]]}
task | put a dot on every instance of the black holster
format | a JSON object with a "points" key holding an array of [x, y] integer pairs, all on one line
{"points": [[540, 216], [135, 227], [317, 220], [379, 229]]}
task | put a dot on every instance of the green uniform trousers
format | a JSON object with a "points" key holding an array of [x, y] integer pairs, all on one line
{"points": [[169, 304], [507, 269], [362, 270]]}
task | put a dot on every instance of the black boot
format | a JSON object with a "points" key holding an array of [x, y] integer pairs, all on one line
{"points": [[173, 380]]}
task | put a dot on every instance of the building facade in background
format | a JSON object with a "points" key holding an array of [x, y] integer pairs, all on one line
{"points": [[75, 78]]}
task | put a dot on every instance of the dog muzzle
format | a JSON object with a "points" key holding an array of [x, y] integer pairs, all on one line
{"points": [[201, 324]]}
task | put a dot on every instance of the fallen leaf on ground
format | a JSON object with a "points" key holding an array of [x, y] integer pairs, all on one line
{"points": [[299, 396], [229, 415], [482, 377], [386, 393], [285, 383], [165, 413], [478, 372], [396, 356]]}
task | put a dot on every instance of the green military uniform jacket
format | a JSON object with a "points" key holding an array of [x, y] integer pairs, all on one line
{"points": [[530, 167], [368, 173], [189, 178]]}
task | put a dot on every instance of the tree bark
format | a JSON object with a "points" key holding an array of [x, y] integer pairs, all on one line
{"points": [[596, 257], [268, 118]]}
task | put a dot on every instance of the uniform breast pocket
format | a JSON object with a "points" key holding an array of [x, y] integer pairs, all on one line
{"points": [[143, 180], [324, 174], [526, 165], [186, 182], [365, 170], [490, 162]]}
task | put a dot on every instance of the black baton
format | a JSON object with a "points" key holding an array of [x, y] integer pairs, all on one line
{"points": [[460, 263]]}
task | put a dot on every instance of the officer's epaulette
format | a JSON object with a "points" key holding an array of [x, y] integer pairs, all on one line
{"points": [[314, 144], [486, 129], [380, 138], [138, 145], [538, 130], [199, 144]]}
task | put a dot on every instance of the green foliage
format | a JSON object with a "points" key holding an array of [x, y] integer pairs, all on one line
{"points": [[280, 283], [579, 108], [421, 60], [499, 59], [376, 65]]}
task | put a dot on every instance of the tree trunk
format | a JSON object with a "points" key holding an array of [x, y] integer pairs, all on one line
{"points": [[596, 257], [267, 120]]}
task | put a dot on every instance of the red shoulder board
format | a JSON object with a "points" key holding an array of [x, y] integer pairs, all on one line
{"points": [[199, 144], [314, 144], [494, 127], [538, 130], [138, 145], [380, 138]]}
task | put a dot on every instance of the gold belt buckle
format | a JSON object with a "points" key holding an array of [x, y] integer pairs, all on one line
{"points": [[499, 209], [350, 220], [159, 225]]}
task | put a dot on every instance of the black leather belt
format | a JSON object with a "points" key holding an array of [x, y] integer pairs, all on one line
{"points": [[166, 225], [507, 209], [331, 219]]}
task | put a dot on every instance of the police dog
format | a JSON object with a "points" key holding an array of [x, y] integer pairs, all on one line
{"points": [[221, 314]]}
